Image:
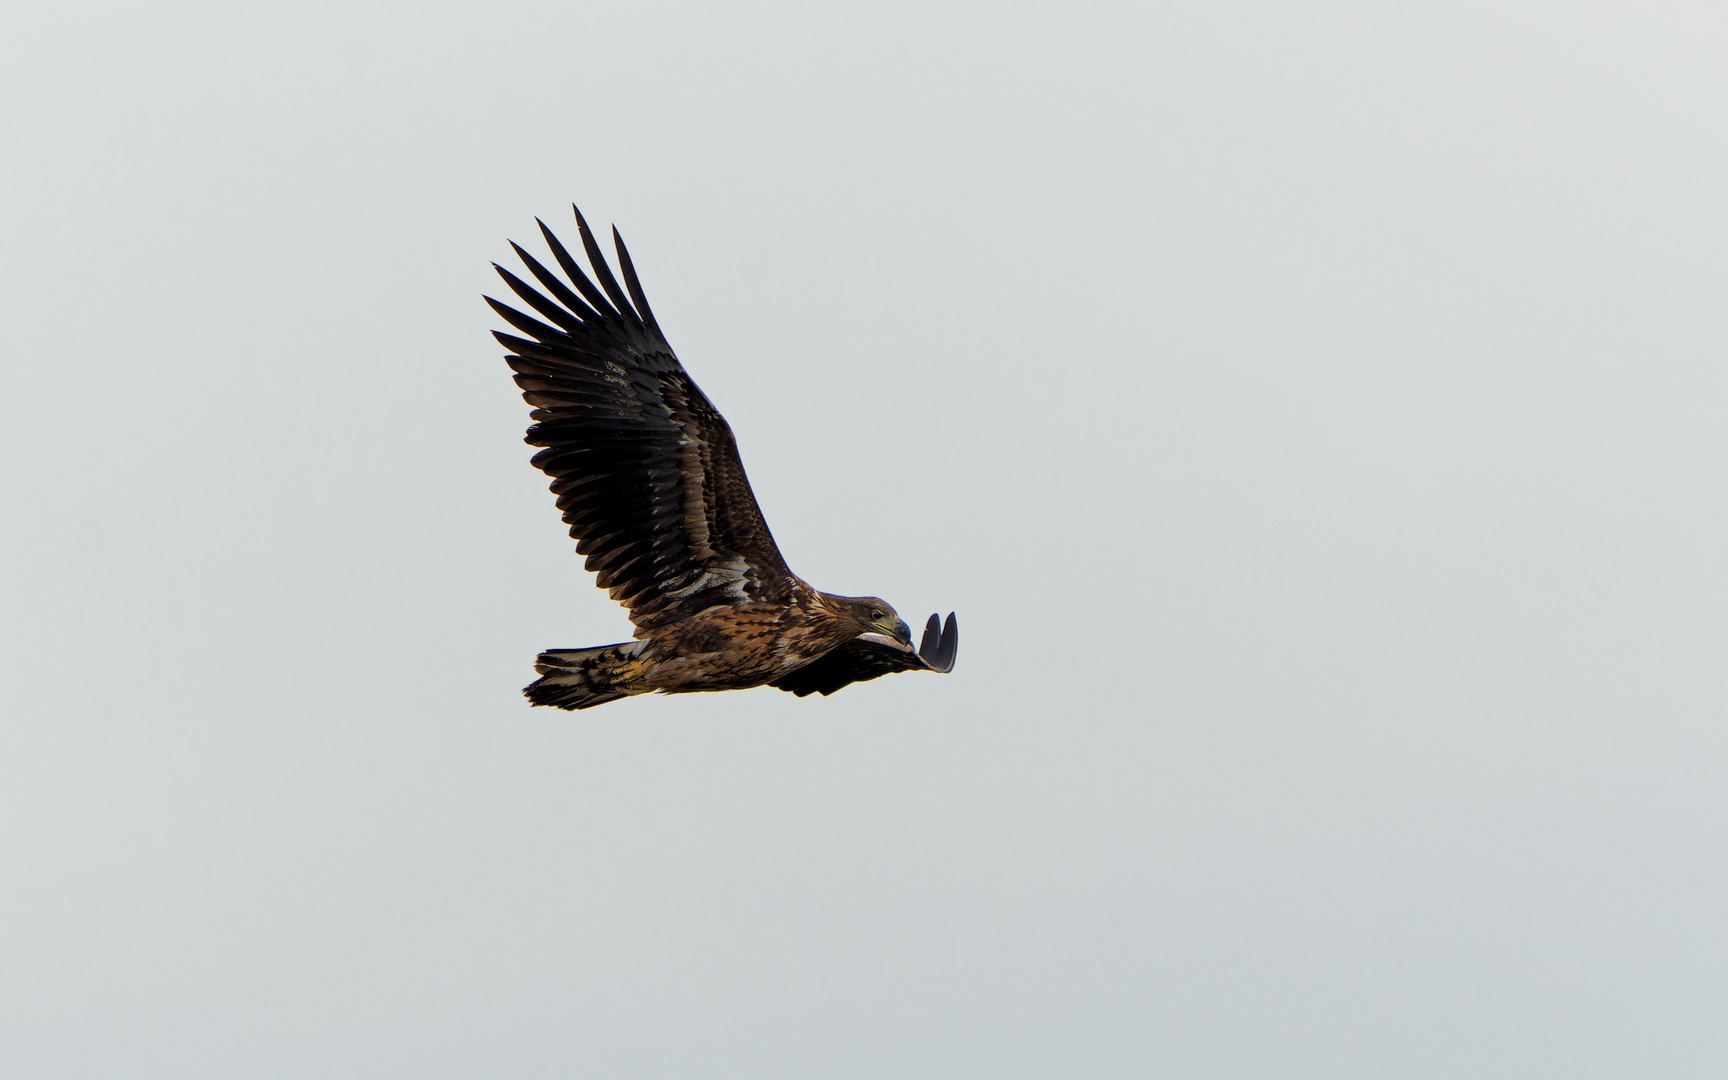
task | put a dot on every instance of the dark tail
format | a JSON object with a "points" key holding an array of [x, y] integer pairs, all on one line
{"points": [[584, 678]]}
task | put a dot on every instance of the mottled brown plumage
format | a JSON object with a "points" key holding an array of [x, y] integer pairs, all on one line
{"points": [[649, 480]]}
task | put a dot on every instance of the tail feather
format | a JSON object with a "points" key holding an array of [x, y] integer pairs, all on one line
{"points": [[584, 678]]}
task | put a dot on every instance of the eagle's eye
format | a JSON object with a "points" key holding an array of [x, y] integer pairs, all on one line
{"points": [[874, 614]]}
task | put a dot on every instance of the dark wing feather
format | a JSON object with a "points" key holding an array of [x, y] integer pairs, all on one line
{"points": [[645, 468], [855, 661], [860, 661]]}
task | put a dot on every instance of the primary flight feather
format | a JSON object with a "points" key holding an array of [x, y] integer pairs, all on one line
{"points": [[649, 480]]}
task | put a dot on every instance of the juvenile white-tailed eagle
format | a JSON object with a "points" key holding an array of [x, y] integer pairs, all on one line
{"points": [[648, 477]]}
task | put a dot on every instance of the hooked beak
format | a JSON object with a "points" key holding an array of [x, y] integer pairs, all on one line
{"points": [[901, 638]]}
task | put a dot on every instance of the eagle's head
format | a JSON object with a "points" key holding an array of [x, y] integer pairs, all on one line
{"points": [[877, 621]]}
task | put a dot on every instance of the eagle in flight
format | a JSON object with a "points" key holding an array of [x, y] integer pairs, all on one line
{"points": [[648, 476]]}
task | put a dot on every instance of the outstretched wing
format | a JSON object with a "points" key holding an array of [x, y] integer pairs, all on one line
{"points": [[644, 467], [862, 659]]}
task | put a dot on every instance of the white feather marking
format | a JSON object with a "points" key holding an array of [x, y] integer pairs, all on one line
{"points": [[729, 575]]}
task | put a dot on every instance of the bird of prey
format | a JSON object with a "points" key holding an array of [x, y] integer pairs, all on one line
{"points": [[648, 477]]}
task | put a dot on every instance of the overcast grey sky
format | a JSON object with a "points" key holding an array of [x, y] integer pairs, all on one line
{"points": [[1315, 413]]}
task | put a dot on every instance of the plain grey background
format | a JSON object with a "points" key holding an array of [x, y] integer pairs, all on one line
{"points": [[1314, 412]]}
